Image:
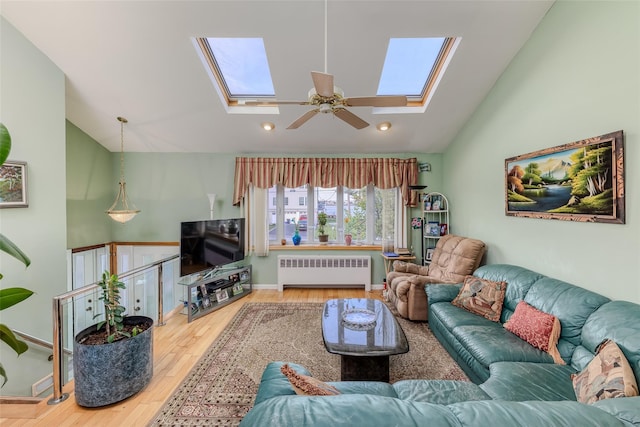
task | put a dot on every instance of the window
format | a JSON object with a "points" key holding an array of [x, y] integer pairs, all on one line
{"points": [[302, 201], [368, 214], [413, 66]]}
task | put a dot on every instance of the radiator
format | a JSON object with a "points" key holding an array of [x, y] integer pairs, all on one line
{"points": [[324, 270]]}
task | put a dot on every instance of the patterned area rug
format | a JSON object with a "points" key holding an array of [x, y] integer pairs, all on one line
{"points": [[220, 389]]}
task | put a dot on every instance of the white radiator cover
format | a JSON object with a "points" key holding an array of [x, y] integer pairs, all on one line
{"points": [[324, 270]]}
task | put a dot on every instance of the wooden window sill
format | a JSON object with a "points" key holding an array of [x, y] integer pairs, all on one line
{"points": [[328, 247]]}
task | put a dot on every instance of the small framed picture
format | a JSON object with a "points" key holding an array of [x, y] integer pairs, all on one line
{"points": [[234, 277], [13, 185], [206, 301], [244, 275], [443, 229], [221, 295], [237, 289], [429, 255], [433, 229]]}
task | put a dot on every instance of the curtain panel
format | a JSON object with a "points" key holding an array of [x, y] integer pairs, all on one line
{"points": [[384, 173]]}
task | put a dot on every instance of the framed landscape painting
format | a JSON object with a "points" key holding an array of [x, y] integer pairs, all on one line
{"points": [[13, 185], [580, 181]]}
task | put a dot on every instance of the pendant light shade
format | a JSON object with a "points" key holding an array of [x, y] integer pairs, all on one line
{"points": [[122, 210]]}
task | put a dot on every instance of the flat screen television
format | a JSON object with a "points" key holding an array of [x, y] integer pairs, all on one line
{"points": [[210, 243]]}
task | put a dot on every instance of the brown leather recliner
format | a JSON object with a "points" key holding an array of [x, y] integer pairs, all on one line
{"points": [[454, 258]]}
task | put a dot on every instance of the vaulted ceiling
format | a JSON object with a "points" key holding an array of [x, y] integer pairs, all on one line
{"points": [[137, 59]]}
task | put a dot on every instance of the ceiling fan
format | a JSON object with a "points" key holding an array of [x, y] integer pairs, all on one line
{"points": [[328, 98]]}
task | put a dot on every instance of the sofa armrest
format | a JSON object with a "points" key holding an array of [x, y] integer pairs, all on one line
{"points": [[438, 292], [274, 383], [411, 268]]}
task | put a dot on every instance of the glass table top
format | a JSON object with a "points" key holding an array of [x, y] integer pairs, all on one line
{"points": [[361, 327]]}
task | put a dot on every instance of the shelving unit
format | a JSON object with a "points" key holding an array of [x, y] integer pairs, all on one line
{"points": [[209, 293], [435, 209]]}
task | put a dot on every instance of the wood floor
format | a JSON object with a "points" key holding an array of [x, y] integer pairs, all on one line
{"points": [[177, 347]]}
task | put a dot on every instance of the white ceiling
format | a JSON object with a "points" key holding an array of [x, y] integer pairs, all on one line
{"points": [[136, 59]]}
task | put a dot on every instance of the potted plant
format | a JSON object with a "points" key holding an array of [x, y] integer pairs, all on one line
{"points": [[322, 221], [113, 359], [10, 296]]}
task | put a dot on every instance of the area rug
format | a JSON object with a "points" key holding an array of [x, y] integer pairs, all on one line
{"points": [[220, 389]]}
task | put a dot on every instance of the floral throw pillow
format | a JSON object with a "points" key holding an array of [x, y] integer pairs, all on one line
{"points": [[607, 376], [540, 329], [306, 385], [481, 297]]}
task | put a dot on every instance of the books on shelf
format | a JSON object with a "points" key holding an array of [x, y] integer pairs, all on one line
{"points": [[390, 254], [403, 252]]}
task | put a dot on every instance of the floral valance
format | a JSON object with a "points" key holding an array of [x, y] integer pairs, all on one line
{"points": [[384, 173]]}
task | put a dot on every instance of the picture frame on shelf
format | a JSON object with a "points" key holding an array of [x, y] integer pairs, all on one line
{"points": [[436, 205], [429, 254], [234, 277], [222, 295], [444, 228], [206, 301], [237, 288], [244, 275], [432, 229]]}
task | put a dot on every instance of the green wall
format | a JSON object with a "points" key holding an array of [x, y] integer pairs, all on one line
{"points": [[32, 106], [91, 187], [577, 77]]}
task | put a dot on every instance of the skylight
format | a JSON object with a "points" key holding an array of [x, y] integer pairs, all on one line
{"points": [[413, 65], [243, 66]]}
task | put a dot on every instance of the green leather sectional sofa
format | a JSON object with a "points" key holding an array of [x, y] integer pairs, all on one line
{"points": [[514, 384]]}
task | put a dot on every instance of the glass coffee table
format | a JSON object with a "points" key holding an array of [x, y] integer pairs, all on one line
{"points": [[364, 333]]}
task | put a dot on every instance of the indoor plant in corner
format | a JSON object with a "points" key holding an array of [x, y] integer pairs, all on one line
{"points": [[112, 360], [322, 221]]}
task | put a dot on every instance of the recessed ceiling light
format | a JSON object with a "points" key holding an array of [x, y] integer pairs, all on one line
{"points": [[268, 126], [383, 126]]}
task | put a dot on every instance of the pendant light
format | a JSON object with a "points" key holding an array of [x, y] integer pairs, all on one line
{"points": [[122, 210]]}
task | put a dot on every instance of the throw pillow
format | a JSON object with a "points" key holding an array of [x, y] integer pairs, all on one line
{"points": [[540, 329], [482, 297], [607, 376], [306, 385]]}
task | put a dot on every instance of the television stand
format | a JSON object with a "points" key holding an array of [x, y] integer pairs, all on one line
{"points": [[215, 289]]}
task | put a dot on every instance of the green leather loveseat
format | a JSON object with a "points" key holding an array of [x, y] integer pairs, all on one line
{"points": [[514, 383]]}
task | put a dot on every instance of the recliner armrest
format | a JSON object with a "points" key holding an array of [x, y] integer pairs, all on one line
{"points": [[437, 292]]}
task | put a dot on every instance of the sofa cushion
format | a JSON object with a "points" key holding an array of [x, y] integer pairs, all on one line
{"points": [[443, 392], [482, 297], [625, 408], [607, 376], [490, 344], [520, 381], [441, 293], [452, 317], [539, 329], [619, 321], [533, 413]]}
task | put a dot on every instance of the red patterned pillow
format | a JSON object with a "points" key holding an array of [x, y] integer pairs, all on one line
{"points": [[541, 330]]}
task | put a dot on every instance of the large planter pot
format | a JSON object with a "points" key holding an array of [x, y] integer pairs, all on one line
{"points": [[108, 373]]}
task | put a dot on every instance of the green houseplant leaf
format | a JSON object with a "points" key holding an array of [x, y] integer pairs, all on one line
{"points": [[10, 248], [5, 143], [12, 296]]}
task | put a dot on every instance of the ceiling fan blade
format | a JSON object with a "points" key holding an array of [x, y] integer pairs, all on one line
{"points": [[350, 118], [323, 83], [303, 119], [376, 101], [259, 103]]}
